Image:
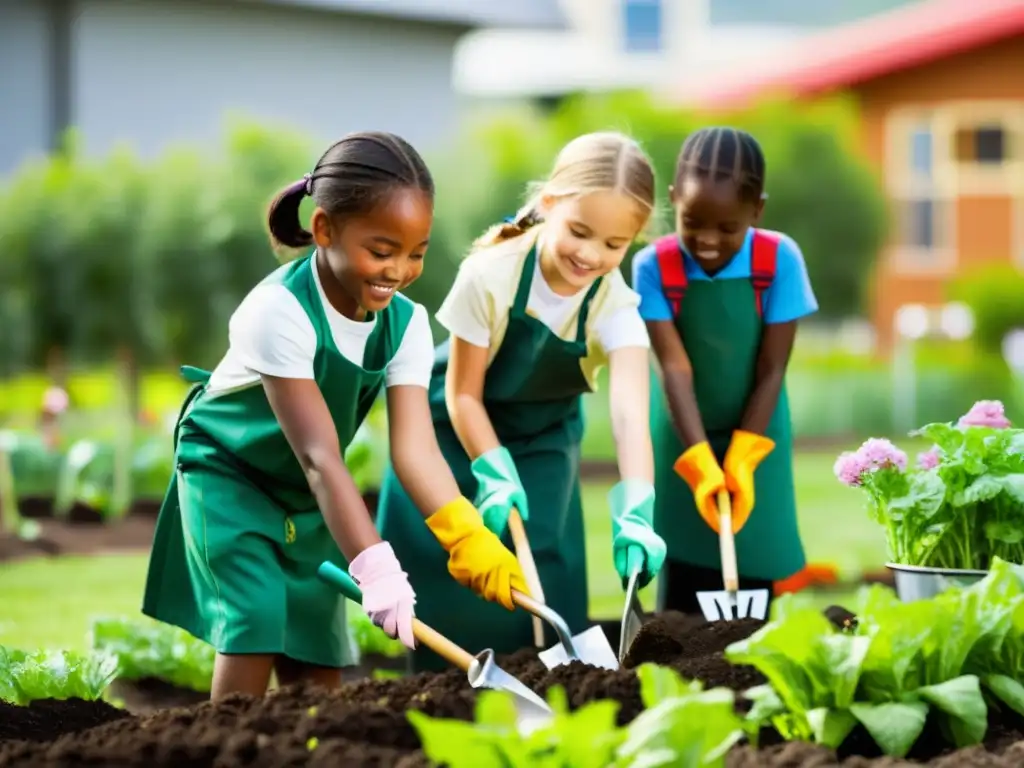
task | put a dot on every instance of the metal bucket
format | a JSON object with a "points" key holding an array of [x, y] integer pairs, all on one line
{"points": [[914, 582]]}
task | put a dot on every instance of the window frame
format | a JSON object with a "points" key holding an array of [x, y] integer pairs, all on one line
{"points": [[643, 44]]}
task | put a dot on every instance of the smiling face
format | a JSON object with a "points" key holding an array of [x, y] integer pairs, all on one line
{"points": [[371, 256], [586, 237], [712, 218]]}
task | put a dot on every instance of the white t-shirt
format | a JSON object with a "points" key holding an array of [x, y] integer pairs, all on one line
{"points": [[617, 329], [271, 334], [477, 307]]}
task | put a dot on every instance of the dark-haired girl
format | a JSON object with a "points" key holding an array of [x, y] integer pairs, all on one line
{"points": [[261, 495], [721, 300]]}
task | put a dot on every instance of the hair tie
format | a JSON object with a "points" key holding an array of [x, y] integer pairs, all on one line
{"points": [[308, 179]]}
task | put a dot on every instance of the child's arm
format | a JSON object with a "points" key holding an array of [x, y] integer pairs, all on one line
{"points": [[697, 465], [467, 314], [787, 300], [635, 545], [772, 359], [477, 558], [309, 429], [677, 381]]}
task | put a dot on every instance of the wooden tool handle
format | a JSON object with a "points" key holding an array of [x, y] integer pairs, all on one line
{"points": [[727, 542], [441, 645], [525, 555]]}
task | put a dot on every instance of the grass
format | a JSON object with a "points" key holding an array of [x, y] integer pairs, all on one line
{"points": [[50, 603]]}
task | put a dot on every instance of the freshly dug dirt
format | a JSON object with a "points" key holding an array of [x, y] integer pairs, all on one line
{"points": [[364, 723]]}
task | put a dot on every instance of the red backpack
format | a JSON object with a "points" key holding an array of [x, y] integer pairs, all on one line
{"points": [[764, 252]]}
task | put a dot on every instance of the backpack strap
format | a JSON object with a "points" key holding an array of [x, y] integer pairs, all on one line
{"points": [[672, 269], [763, 261]]}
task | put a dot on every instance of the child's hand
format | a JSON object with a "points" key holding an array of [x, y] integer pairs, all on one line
{"points": [[500, 489], [746, 451], [634, 542], [388, 598], [476, 557], [699, 468]]}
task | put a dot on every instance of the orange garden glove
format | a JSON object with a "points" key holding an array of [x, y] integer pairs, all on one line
{"points": [[476, 557], [699, 468], [746, 451]]}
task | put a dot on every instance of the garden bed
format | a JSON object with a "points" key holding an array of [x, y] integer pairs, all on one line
{"points": [[365, 723], [61, 537]]}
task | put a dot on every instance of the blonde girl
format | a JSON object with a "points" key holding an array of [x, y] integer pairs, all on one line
{"points": [[537, 309]]}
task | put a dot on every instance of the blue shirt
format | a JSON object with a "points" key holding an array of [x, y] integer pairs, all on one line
{"points": [[789, 297]]}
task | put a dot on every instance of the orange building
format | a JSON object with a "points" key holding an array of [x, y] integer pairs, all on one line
{"points": [[940, 86]]}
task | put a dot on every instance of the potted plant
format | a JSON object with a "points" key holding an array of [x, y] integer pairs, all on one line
{"points": [[962, 505]]}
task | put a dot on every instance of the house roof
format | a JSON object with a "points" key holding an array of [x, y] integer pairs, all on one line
{"points": [[911, 36], [525, 14]]}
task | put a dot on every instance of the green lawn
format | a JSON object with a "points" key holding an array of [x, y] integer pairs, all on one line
{"points": [[49, 603]]}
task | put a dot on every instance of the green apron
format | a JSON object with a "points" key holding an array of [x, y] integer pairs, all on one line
{"points": [[239, 537], [721, 330], [532, 395]]}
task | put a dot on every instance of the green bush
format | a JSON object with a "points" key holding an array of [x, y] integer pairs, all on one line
{"points": [[148, 259], [995, 295]]}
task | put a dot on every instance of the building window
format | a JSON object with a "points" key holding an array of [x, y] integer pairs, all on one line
{"points": [[982, 145], [919, 211], [917, 227], [641, 22], [922, 153]]}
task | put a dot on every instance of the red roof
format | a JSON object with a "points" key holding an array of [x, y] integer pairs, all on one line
{"points": [[855, 53]]}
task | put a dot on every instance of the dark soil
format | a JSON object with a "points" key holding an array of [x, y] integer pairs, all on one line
{"points": [[70, 537], [151, 694], [364, 723]]}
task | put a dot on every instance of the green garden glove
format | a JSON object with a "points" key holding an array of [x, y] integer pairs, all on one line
{"points": [[499, 489], [634, 542]]}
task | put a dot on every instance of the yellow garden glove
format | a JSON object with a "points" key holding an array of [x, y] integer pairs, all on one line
{"points": [[746, 451], [699, 468], [476, 557]]}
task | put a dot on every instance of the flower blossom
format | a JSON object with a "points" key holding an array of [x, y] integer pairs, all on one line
{"points": [[985, 413], [876, 453], [929, 459]]}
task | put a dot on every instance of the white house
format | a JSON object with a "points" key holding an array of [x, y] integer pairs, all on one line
{"points": [[649, 44], [151, 72]]}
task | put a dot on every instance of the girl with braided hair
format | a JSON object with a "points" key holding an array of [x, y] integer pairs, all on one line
{"points": [[261, 495], [721, 300], [537, 309]]}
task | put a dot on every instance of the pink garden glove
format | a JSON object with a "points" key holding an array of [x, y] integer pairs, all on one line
{"points": [[387, 596]]}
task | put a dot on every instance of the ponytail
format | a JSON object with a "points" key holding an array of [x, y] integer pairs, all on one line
{"points": [[526, 218], [283, 217]]}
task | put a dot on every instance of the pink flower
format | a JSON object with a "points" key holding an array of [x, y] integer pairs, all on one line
{"points": [[873, 454], [55, 400], [929, 459], [985, 413], [878, 453], [848, 468]]}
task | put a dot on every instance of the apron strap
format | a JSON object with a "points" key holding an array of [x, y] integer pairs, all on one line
{"points": [[525, 279], [581, 322]]}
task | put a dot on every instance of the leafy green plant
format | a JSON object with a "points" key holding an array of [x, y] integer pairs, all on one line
{"points": [[963, 504], [368, 637], [151, 649], [27, 676], [900, 665], [683, 725]]}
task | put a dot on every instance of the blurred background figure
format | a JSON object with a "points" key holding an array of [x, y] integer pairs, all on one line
{"points": [[140, 144]]}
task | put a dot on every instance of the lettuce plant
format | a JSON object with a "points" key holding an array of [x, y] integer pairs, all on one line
{"points": [[900, 665], [30, 676], [683, 725], [147, 648]]}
